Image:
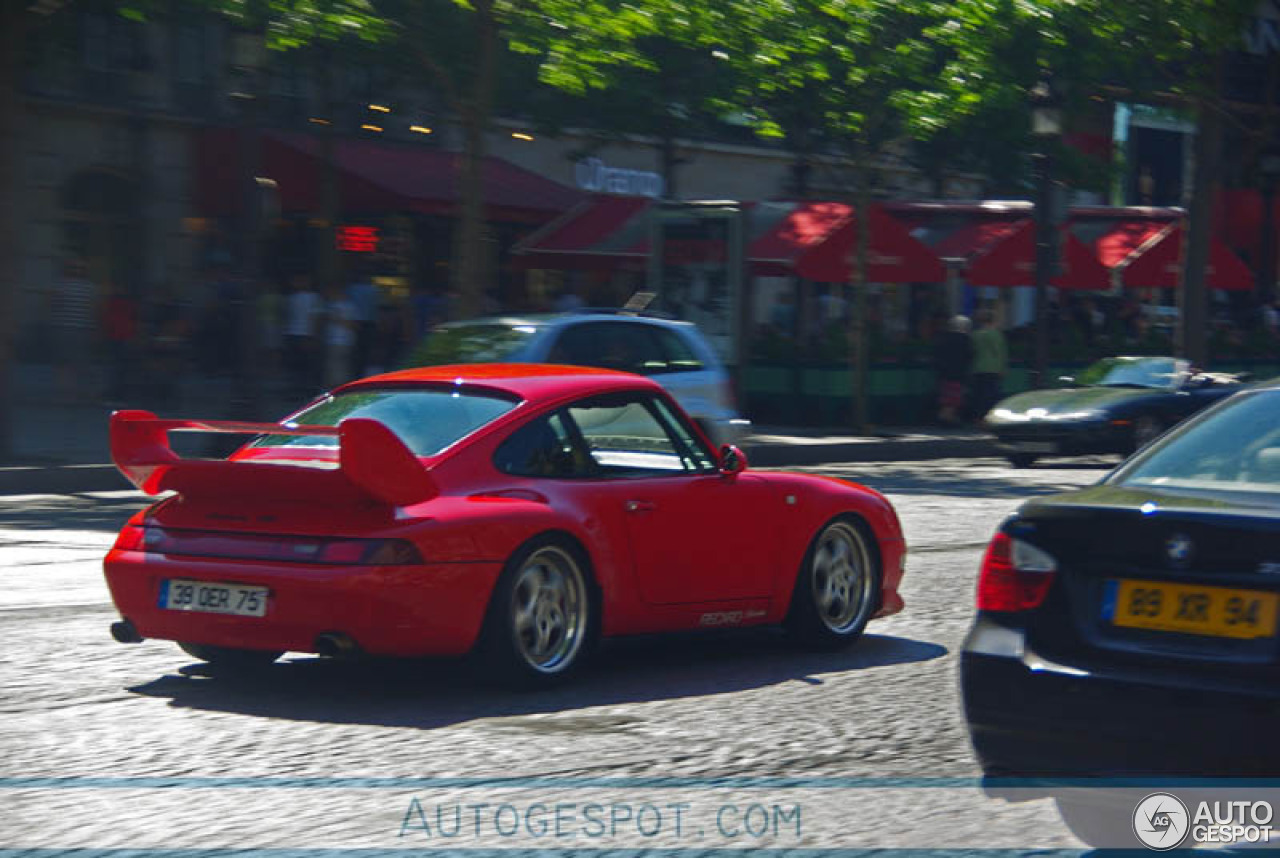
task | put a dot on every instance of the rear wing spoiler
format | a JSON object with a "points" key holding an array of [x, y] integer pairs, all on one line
{"points": [[373, 462]]}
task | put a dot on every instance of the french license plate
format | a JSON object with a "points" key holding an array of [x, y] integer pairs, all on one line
{"points": [[1033, 446], [178, 594], [1191, 609]]}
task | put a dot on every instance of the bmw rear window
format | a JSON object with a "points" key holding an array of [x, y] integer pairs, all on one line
{"points": [[1233, 448], [427, 421]]}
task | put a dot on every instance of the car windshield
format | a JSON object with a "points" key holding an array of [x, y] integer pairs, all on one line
{"points": [[427, 421], [1234, 447], [487, 342], [1132, 372]]}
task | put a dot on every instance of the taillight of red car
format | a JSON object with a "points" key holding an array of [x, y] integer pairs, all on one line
{"points": [[1015, 575], [291, 549]]}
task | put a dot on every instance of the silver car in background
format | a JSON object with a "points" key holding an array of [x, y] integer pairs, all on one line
{"points": [[673, 353]]}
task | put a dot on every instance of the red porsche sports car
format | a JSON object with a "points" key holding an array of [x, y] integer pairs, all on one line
{"points": [[518, 511]]}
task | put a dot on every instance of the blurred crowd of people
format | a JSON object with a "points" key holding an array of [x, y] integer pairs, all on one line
{"points": [[107, 345], [298, 340]]}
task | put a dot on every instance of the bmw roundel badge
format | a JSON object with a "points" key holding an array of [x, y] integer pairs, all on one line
{"points": [[1178, 548]]}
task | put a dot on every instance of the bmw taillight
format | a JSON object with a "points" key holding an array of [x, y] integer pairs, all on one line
{"points": [[1015, 575], [252, 546]]}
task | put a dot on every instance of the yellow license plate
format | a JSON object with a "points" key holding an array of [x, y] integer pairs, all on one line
{"points": [[1215, 611]]}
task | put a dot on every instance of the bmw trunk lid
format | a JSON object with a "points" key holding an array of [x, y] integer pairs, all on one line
{"points": [[1151, 576]]}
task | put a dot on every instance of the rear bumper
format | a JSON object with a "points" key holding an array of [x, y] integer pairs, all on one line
{"points": [[386, 610], [1030, 717]]}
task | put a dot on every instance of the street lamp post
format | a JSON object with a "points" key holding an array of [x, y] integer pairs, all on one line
{"points": [[1046, 126], [248, 62]]}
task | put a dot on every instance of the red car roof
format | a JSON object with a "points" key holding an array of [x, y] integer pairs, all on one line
{"points": [[525, 380]]}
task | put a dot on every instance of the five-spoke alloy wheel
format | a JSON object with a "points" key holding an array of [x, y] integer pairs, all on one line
{"points": [[542, 619], [837, 589]]}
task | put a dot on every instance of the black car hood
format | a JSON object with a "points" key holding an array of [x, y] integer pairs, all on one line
{"points": [[1069, 400]]}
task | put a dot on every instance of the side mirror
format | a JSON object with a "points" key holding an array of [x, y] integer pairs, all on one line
{"points": [[732, 460]]}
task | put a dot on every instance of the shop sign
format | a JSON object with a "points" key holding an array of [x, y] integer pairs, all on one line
{"points": [[358, 239], [594, 175]]}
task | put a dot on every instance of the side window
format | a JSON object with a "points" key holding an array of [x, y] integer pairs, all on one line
{"points": [[623, 346], [543, 448], [630, 437], [686, 438], [679, 355]]}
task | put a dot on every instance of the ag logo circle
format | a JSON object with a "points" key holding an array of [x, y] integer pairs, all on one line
{"points": [[1160, 821]]}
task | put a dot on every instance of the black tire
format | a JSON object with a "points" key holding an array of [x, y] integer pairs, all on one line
{"points": [[543, 617], [837, 588], [231, 657], [1146, 428], [1021, 460]]}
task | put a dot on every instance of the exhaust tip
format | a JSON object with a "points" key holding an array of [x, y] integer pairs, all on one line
{"points": [[125, 632], [337, 645]]}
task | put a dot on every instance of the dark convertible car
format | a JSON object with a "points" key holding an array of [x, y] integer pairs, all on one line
{"points": [[1114, 406], [1132, 628]]}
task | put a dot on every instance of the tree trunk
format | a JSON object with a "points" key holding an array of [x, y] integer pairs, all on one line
{"points": [[670, 163], [861, 303], [330, 192], [12, 40], [468, 268], [1193, 294]]}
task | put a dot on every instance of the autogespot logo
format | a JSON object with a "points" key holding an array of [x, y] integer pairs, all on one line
{"points": [[1160, 821]]}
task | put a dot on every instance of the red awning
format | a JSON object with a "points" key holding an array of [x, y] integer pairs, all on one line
{"points": [[375, 177], [976, 238], [1012, 262], [599, 232], [894, 255], [782, 232], [1123, 240], [1158, 263], [784, 238]]}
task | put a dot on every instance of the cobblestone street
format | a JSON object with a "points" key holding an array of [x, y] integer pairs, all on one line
{"points": [[318, 753]]}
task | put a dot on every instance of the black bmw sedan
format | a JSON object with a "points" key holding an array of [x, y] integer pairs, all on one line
{"points": [[1130, 628], [1113, 406]]}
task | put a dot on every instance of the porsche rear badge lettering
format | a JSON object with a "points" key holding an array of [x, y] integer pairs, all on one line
{"points": [[729, 618]]}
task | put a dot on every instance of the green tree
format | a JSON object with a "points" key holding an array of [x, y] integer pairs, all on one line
{"points": [[1170, 52], [840, 76]]}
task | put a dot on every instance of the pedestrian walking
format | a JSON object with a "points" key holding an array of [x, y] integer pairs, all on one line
{"points": [[390, 340], [362, 295], [953, 361], [170, 328], [301, 328], [269, 312], [120, 324], [340, 337], [990, 362], [73, 313]]}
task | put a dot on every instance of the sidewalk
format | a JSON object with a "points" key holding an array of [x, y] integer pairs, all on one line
{"points": [[62, 447]]}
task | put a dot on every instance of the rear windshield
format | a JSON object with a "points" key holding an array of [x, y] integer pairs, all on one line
{"points": [[427, 421], [486, 343], [1232, 448]]}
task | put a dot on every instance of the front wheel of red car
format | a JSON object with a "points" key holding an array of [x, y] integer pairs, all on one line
{"points": [[837, 588], [542, 618], [231, 657]]}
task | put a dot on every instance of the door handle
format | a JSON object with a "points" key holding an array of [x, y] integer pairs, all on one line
{"points": [[641, 506]]}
